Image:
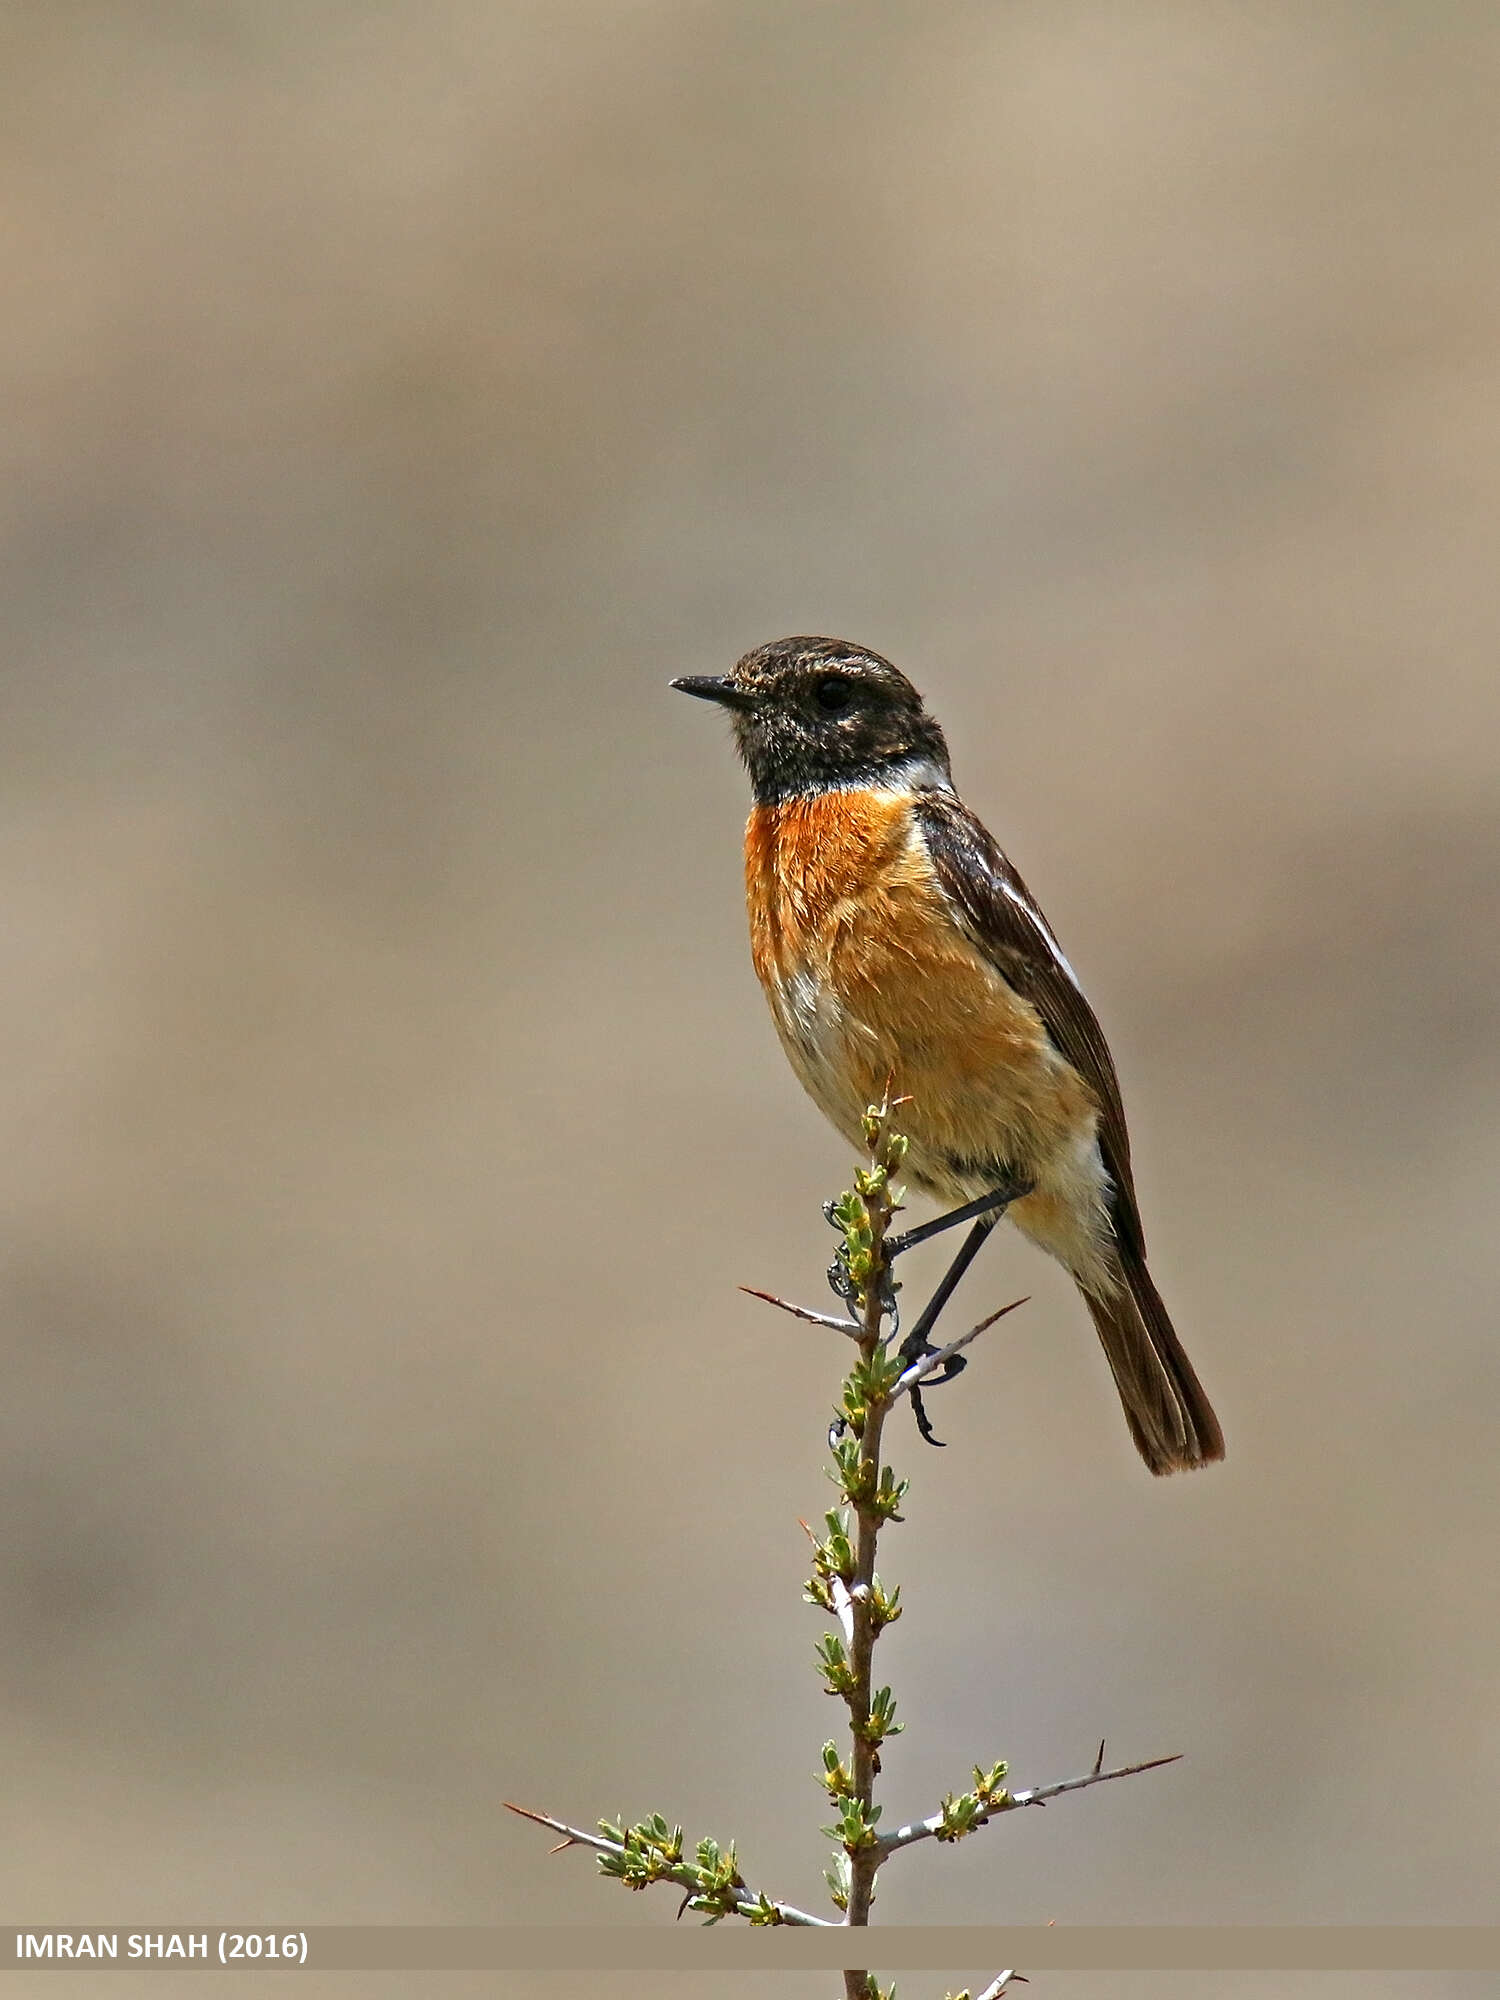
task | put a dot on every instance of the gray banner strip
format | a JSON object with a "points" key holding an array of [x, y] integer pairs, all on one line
{"points": [[897, 1948]]}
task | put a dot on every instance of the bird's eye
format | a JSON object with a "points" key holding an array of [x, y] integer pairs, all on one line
{"points": [[833, 694]]}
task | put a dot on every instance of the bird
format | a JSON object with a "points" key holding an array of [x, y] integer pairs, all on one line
{"points": [[899, 949]]}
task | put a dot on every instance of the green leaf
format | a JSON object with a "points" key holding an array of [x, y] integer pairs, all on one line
{"points": [[961, 1812], [885, 1607], [989, 1786], [836, 1776], [854, 1829], [837, 1876], [833, 1664], [882, 1718]]}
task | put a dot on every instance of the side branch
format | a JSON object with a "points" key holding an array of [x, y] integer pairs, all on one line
{"points": [[849, 1326], [746, 1902], [937, 1361], [939, 1824]]}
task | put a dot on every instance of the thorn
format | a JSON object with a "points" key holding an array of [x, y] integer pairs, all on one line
{"points": [[682, 1907], [927, 1359], [803, 1312], [1099, 1760], [562, 1846]]}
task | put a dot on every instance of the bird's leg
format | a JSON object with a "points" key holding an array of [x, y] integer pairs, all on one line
{"points": [[916, 1343], [992, 1204], [988, 1210], [983, 1212]]}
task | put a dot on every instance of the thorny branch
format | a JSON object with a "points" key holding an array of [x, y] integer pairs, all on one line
{"points": [[846, 1585], [934, 1363], [746, 1902], [936, 1825]]}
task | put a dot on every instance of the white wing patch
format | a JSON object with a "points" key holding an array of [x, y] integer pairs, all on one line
{"points": [[1029, 909]]}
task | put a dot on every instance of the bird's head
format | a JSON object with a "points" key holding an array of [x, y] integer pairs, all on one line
{"points": [[814, 715]]}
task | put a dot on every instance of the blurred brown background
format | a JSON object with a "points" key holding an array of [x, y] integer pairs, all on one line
{"points": [[394, 397]]}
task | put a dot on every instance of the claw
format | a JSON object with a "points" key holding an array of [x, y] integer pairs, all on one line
{"points": [[843, 1287], [954, 1365], [919, 1411]]}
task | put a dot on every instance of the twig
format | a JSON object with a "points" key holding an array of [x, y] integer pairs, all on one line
{"points": [[998, 1985], [684, 1877], [848, 1326], [930, 1364], [1036, 1795]]}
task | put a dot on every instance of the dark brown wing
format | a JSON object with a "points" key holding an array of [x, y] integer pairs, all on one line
{"points": [[1001, 918]]}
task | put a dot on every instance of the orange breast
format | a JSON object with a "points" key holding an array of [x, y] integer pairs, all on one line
{"points": [[812, 868], [872, 983]]}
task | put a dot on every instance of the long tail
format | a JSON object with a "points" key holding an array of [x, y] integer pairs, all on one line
{"points": [[1170, 1418]]}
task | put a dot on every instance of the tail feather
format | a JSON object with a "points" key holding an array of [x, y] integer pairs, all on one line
{"points": [[1170, 1418]]}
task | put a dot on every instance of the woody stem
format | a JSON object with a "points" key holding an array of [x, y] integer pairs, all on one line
{"points": [[864, 1862]]}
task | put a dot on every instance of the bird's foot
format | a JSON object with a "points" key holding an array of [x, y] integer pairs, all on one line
{"points": [[843, 1287], [913, 1349], [839, 1281]]}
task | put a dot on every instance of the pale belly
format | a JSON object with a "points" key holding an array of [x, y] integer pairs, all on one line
{"points": [[989, 1095]]}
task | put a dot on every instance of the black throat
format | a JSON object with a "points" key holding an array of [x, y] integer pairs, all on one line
{"points": [[786, 761]]}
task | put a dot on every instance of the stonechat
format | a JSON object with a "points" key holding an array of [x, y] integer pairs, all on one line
{"points": [[899, 949]]}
